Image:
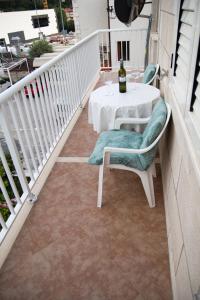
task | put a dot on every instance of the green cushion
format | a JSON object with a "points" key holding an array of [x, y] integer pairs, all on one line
{"points": [[155, 124], [120, 139], [152, 130], [132, 140], [149, 73]]}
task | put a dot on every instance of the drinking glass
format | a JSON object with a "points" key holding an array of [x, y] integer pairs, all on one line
{"points": [[109, 91], [135, 76]]}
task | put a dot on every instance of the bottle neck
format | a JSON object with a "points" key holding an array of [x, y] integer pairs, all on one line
{"points": [[121, 64]]}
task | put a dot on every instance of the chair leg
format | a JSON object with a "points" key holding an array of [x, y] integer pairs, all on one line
{"points": [[154, 170], [100, 186], [147, 181]]}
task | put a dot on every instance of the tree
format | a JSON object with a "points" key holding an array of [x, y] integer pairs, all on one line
{"points": [[59, 19], [16, 5], [55, 3], [70, 25], [40, 47]]}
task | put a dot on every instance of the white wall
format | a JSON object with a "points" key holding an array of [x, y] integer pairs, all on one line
{"points": [[22, 21], [138, 23], [89, 15], [180, 173], [137, 39]]}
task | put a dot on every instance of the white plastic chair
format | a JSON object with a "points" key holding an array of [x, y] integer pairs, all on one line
{"points": [[145, 176], [142, 74], [156, 73]]}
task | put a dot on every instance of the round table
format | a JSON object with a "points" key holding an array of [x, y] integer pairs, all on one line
{"points": [[106, 103]]}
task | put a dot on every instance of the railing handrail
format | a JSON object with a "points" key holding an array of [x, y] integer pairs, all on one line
{"points": [[30, 77], [36, 111], [121, 29], [33, 121]]}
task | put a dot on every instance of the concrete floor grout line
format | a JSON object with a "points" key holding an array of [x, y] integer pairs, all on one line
{"points": [[72, 159]]}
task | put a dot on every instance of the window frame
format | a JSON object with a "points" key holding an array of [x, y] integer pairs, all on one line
{"points": [[36, 19], [195, 84], [186, 104], [120, 45], [178, 26]]}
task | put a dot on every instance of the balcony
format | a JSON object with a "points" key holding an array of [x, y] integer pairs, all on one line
{"points": [[67, 248]]}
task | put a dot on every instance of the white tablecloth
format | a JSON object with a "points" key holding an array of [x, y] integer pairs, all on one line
{"points": [[106, 103]]}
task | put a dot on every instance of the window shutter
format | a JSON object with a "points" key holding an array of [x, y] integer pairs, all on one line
{"points": [[196, 95], [184, 46]]}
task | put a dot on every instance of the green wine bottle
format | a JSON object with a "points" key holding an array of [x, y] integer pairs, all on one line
{"points": [[122, 77]]}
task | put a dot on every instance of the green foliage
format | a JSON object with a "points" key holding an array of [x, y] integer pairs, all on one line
{"points": [[59, 19], [16, 5], [54, 3], [4, 80], [5, 211], [70, 26], [40, 47]]}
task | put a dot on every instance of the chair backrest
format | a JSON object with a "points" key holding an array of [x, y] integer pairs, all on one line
{"points": [[154, 131], [150, 73], [155, 124]]}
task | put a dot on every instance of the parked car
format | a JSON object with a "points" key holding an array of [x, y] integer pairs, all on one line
{"points": [[32, 89]]}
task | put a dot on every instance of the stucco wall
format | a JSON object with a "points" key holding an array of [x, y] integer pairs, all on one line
{"points": [[137, 39], [138, 22], [180, 172], [21, 21], [89, 15]]}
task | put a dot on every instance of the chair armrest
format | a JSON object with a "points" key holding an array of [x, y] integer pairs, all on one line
{"points": [[125, 150], [108, 150], [135, 121]]}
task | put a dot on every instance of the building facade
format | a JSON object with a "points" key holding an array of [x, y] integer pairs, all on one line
{"points": [[132, 42], [27, 24], [93, 15], [89, 16]]}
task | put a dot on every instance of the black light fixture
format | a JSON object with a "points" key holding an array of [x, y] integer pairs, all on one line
{"points": [[128, 10]]}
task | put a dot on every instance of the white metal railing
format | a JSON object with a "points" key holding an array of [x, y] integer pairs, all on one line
{"points": [[35, 112]]}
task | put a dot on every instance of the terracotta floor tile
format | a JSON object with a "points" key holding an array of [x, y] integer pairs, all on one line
{"points": [[69, 249], [85, 250], [82, 140]]}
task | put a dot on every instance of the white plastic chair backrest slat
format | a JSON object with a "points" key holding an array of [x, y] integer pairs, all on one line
{"points": [[154, 76], [163, 130]]}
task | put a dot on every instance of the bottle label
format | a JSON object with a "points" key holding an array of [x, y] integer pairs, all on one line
{"points": [[122, 79]]}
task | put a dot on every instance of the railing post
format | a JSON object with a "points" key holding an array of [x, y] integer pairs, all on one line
{"points": [[98, 50], [78, 78], [13, 150]]}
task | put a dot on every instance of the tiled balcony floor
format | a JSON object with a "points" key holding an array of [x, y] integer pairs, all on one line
{"points": [[70, 250]]}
